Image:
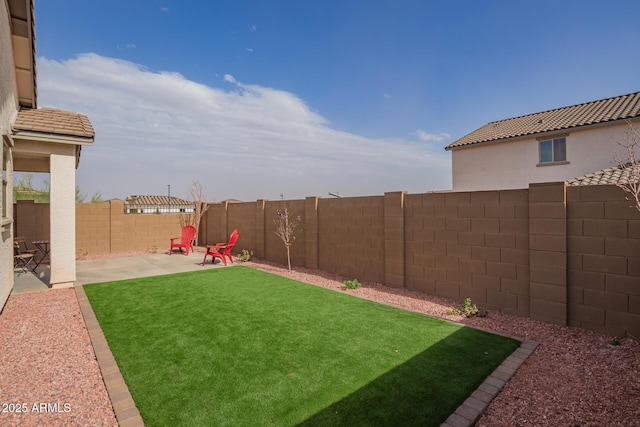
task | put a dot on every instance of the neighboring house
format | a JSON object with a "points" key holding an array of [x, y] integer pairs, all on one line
{"points": [[554, 145], [157, 204], [35, 140]]}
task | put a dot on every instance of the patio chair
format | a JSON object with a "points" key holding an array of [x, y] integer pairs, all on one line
{"points": [[186, 239], [25, 249], [222, 250], [23, 260]]}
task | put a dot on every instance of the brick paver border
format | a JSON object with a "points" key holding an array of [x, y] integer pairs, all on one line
{"points": [[471, 409]]}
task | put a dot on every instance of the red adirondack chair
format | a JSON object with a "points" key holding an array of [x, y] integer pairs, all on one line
{"points": [[222, 250], [188, 234]]}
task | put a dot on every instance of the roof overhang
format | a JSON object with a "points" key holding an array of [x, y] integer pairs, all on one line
{"points": [[32, 154], [39, 133], [51, 138], [602, 112], [23, 38], [539, 135]]}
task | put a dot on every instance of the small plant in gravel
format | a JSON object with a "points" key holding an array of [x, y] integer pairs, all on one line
{"points": [[351, 284], [245, 255], [616, 341], [468, 310]]}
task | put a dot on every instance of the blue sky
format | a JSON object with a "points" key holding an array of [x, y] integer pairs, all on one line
{"points": [[261, 98]]}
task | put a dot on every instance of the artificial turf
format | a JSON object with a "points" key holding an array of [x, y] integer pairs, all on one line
{"points": [[237, 346]]}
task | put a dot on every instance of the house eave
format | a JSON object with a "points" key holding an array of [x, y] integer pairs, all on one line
{"points": [[538, 135], [52, 138], [24, 50]]}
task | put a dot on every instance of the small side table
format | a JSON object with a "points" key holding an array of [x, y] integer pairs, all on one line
{"points": [[43, 247]]}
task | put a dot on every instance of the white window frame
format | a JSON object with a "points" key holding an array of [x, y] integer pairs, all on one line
{"points": [[553, 161], [6, 197]]}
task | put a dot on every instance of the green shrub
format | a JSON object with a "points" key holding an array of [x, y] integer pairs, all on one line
{"points": [[468, 309], [352, 284], [245, 255]]}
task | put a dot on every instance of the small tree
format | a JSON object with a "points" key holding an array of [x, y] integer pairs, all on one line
{"points": [[630, 166], [287, 223], [25, 189], [197, 196], [97, 197]]}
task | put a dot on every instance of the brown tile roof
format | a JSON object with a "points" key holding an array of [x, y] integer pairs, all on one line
{"points": [[156, 200], [611, 176], [600, 111], [54, 121]]}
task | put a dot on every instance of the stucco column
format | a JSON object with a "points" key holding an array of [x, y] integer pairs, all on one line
{"points": [[63, 220]]}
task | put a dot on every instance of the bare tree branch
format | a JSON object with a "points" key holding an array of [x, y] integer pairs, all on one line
{"points": [[630, 165], [197, 196], [286, 223]]}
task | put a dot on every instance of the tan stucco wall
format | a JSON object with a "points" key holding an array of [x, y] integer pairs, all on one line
{"points": [[511, 165], [8, 90], [8, 110]]}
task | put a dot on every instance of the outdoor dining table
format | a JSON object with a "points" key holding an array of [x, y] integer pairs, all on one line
{"points": [[43, 247]]}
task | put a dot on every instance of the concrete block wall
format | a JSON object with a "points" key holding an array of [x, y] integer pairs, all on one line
{"points": [[351, 237], [394, 251], [213, 225], [104, 228], [548, 252], [93, 229], [31, 220], [312, 236], [470, 244], [146, 232], [603, 246], [243, 217], [274, 248], [564, 255]]}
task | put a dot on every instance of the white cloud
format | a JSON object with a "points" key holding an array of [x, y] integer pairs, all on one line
{"points": [[164, 9], [250, 142], [248, 49], [254, 27], [432, 137], [127, 46]]}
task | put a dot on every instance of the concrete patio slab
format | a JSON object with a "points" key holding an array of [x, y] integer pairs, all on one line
{"points": [[111, 269]]}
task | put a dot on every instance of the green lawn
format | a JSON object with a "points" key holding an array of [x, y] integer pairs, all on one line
{"points": [[237, 346]]}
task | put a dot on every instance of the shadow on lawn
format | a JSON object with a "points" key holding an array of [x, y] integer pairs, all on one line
{"points": [[426, 389]]}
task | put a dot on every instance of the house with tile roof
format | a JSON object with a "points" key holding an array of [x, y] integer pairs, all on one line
{"points": [[35, 140], [157, 204], [549, 146]]}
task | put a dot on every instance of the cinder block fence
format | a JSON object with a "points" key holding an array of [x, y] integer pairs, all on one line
{"points": [[559, 254]]}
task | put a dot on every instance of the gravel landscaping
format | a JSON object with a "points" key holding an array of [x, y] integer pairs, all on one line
{"points": [[574, 377], [49, 375]]}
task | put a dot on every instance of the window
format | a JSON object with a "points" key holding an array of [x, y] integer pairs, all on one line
{"points": [[5, 188], [553, 151], [7, 198]]}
